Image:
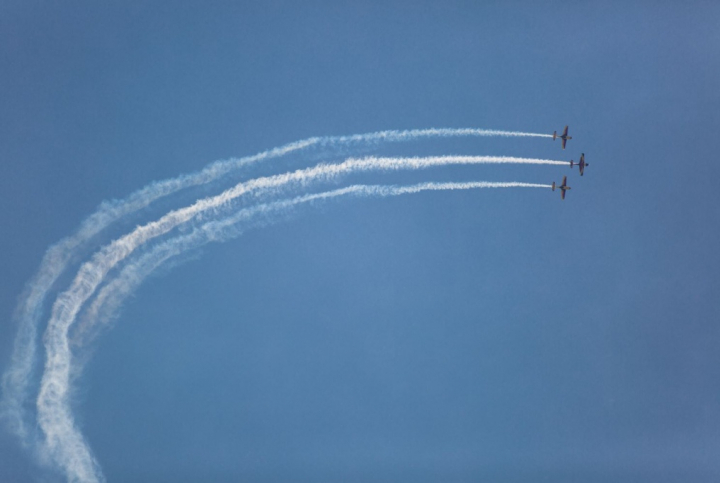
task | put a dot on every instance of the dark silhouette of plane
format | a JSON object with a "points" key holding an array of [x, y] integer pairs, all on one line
{"points": [[581, 164], [564, 136], [563, 187]]}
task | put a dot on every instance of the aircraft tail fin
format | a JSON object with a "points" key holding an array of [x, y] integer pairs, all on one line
{"points": [[553, 186], [572, 163], [554, 135]]}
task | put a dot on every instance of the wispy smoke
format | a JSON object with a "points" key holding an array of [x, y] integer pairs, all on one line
{"points": [[63, 442], [16, 379]]}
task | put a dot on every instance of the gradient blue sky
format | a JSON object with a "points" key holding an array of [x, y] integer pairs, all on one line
{"points": [[472, 336]]}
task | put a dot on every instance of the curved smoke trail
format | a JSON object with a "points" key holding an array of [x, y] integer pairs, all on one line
{"points": [[16, 379], [65, 442]]}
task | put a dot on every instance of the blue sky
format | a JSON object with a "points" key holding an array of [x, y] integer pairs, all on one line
{"points": [[461, 336]]}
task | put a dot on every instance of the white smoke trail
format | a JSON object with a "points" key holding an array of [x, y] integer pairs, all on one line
{"points": [[16, 379], [396, 135], [54, 416], [65, 440]]}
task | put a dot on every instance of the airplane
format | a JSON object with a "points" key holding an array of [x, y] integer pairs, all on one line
{"points": [[563, 136], [581, 164], [563, 187]]}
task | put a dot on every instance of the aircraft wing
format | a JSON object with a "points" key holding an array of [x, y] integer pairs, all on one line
{"points": [[564, 140], [564, 183], [565, 131], [562, 194]]}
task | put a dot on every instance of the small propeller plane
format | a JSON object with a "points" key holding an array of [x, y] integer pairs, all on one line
{"points": [[564, 136], [581, 164], [563, 187]]}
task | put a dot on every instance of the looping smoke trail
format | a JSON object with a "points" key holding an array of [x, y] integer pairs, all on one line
{"points": [[16, 379], [63, 441]]}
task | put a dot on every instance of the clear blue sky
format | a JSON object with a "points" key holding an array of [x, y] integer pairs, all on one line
{"points": [[467, 336]]}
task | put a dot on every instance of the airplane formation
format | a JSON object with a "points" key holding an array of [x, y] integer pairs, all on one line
{"points": [[563, 187]]}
